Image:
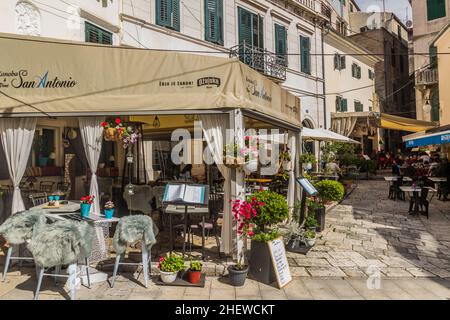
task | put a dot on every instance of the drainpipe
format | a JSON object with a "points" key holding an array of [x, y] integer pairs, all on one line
{"points": [[323, 83]]}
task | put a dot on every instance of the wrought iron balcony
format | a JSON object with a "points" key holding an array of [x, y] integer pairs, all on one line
{"points": [[263, 61], [427, 77]]}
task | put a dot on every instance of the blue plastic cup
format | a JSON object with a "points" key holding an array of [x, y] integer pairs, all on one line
{"points": [[56, 198], [51, 198], [109, 213]]}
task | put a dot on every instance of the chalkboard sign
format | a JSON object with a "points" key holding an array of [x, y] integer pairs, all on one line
{"points": [[280, 262]]}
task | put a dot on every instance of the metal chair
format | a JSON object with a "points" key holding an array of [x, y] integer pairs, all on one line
{"points": [[59, 244], [38, 199], [46, 186], [18, 229]]}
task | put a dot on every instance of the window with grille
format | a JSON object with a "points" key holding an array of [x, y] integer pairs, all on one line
{"points": [[95, 34], [214, 21], [435, 9], [168, 14]]}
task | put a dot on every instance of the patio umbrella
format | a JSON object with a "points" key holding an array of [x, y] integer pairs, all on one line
{"points": [[325, 135]]}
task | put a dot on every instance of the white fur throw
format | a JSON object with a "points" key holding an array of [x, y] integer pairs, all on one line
{"points": [[62, 243], [20, 227], [134, 228]]}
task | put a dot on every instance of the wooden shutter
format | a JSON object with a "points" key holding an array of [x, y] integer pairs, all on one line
{"points": [[96, 35], [358, 70], [342, 65], [260, 35], [176, 15], [344, 105], [305, 47], [433, 56], [435, 9], [214, 21], [338, 104], [163, 13], [280, 43], [336, 61], [245, 27]]}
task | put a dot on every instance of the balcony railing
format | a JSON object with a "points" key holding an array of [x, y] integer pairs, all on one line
{"points": [[427, 77], [263, 61], [311, 4]]}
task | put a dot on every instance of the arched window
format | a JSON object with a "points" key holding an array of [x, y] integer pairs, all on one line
{"points": [[308, 146]]}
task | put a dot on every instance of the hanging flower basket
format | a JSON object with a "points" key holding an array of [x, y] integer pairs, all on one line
{"points": [[109, 134], [233, 162], [250, 166]]}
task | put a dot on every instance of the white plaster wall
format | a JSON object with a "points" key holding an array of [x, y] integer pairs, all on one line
{"points": [[342, 80]]}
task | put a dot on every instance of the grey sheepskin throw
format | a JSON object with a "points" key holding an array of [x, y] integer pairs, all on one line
{"points": [[134, 228], [19, 228], [62, 243]]}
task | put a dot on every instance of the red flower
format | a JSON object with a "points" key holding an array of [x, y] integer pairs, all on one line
{"points": [[251, 233], [88, 198], [118, 121], [104, 124], [83, 199]]}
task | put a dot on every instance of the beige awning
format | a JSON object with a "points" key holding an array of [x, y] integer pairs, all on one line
{"points": [[71, 78]]}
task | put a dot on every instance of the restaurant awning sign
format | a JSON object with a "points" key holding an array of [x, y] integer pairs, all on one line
{"points": [[39, 75]]}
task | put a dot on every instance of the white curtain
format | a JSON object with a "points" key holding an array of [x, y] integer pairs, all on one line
{"points": [[148, 159], [292, 145], [17, 136], [214, 128], [92, 136]]}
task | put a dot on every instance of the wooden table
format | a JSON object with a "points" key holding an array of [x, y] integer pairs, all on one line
{"points": [[185, 211]]}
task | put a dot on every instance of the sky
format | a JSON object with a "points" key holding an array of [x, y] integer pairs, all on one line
{"points": [[400, 7]]}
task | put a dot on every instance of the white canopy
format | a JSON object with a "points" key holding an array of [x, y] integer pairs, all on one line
{"points": [[325, 135]]}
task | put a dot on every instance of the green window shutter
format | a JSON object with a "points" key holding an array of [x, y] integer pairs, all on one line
{"points": [[358, 106], [359, 72], [280, 43], [176, 15], [344, 105], [260, 42], [338, 104], [336, 61], [436, 9], [433, 56], [305, 49], [214, 21], [343, 62], [245, 27], [96, 35], [164, 12]]}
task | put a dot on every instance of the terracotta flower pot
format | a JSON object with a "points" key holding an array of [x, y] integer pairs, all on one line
{"points": [[194, 276]]}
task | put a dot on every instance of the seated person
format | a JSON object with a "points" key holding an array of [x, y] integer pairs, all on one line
{"points": [[396, 167], [333, 167]]}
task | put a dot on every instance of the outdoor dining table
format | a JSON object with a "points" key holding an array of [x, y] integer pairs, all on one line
{"points": [[415, 193], [100, 248], [186, 212]]}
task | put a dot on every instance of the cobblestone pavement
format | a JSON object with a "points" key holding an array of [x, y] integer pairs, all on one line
{"points": [[20, 287], [368, 233]]}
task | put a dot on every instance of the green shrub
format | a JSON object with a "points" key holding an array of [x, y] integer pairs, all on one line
{"points": [[307, 158], [330, 190], [171, 263], [195, 266], [274, 210], [310, 234], [266, 236], [311, 221]]}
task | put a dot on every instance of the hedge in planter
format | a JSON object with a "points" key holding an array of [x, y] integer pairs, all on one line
{"points": [[275, 210], [330, 190]]}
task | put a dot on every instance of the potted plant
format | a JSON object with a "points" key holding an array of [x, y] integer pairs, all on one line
{"points": [[231, 156], [310, 238], [330, 190], [109, 210], [243, 212], [271, 209], [195, 272], [316, 214], [85, 205], [116, 131], [169, 266], [286, 159], [293, 235], [307, 159]]}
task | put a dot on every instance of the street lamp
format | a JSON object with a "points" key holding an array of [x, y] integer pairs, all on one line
{"points": [[427, 106]]}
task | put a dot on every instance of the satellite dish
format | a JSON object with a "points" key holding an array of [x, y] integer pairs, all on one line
{"points": [[409, 23]]}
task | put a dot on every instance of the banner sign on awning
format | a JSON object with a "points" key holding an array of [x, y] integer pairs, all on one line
{"points": [[430, 139]]}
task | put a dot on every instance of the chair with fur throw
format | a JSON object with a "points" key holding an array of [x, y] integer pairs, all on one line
{"points": [[18, 229], [131, 229], [62, 243]]}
